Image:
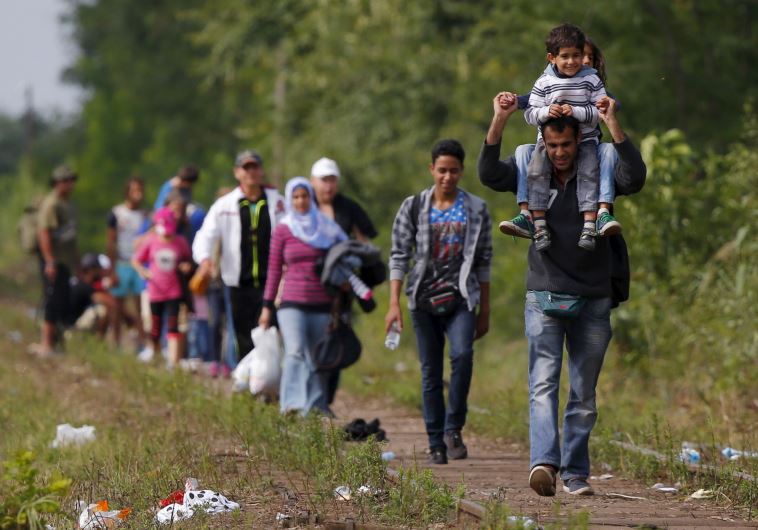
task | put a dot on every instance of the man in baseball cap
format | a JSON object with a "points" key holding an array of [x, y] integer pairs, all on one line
{"points": [[246, 157], [56, 240], [242, 221]]}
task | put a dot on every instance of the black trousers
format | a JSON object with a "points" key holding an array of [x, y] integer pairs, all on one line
{"points": [[57, 294], [170, 308], [247, 302]]}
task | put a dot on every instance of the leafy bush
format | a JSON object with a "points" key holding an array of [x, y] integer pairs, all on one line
{"points": [[26, 501]]}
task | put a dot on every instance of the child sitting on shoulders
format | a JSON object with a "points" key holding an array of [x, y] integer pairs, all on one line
{"points": [[566, 88]]}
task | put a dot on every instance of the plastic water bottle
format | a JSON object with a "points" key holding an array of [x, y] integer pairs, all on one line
{"points": [[392, 340]]}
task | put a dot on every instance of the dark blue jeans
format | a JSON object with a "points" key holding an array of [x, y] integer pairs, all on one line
{"points": [[430, 337]]}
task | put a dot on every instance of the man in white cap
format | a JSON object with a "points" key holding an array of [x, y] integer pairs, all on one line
{"points": [[325, 176]]}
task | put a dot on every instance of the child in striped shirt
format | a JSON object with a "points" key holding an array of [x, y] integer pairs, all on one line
{"points": [[566, 88]]}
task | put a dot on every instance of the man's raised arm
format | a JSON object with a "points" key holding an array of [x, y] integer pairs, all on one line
{"points": [[494, 173], [631, 171]]}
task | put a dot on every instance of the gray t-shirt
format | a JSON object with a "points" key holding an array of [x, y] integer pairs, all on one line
{"points": [[127, 223]]}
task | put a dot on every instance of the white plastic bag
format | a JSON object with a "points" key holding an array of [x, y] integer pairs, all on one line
{"points": [[99, 515], [241, 374], [265, 368], [66, 434]]}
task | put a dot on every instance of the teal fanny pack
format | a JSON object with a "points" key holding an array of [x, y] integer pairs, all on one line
{"points": [[560, 305]]}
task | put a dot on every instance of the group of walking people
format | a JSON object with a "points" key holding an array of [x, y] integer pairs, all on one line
{"points": [[265, 252]]}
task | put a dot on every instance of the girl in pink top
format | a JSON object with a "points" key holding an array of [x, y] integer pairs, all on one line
{"points": [[166, 254], [302, 237]]}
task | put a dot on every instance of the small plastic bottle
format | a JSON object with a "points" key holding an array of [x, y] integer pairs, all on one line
{"points": [[392, 340]]}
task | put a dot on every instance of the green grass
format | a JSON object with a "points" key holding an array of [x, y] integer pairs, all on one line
{"points": [[154, 429]]}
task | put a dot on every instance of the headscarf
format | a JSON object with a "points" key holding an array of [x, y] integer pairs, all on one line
{"points": [[313, 227]]}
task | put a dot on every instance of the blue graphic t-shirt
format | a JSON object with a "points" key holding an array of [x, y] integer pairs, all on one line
{"points": [[448, 232]]}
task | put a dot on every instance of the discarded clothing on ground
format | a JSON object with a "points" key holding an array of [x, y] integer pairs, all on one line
{"points": [[193, 501], [358, 430]]}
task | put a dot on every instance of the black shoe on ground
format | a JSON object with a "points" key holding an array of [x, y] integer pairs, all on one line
{"points": [[437, 455], [456, 449]]}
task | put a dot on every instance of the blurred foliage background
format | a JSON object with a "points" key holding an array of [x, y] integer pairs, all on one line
{"points": [[373, 84]]}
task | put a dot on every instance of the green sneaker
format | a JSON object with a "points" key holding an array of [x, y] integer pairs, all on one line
{"points": [[519, 226], [607, 225]]}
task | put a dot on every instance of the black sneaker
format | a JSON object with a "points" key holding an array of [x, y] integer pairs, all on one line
{"points": [[541, 239], [437, 455], [587, 238], [456, 449], [578, 486]]}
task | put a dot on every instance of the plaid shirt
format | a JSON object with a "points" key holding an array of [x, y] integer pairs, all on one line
{"points": [[411, 243]]}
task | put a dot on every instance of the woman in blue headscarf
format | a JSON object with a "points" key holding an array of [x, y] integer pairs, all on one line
{"points": [[299, 241]]}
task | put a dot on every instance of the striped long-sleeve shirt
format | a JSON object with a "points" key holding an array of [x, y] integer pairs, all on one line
{"points": [[581, 91], [302, 285]]}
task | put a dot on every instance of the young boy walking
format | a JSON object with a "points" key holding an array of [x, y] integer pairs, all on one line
{"points": [[446, 233]]}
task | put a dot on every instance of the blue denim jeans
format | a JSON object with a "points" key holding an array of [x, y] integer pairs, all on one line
{"points": [[199, 340], [302, 388], [430, 338], [523, 155], [609, 158], [231, 354], [586, 338], [606, 153]]}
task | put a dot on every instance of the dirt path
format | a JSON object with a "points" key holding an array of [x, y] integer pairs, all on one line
{"points": [[493, 470], [500, 471]]}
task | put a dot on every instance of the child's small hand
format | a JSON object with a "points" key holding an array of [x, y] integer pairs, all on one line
{"points": [[506, 100], [185, 267], [505, 104], [145, 273], [603, 103], [555, 111], [607, 108], [567, 110]]}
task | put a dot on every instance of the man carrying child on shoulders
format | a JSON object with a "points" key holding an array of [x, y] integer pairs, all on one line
{"points": [[568, 295]]}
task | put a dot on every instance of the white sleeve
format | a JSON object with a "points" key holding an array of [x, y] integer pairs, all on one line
{"points": [[537, 112], [206, 237]]}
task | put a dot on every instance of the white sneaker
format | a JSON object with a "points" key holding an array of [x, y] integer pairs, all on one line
{"points": [[190, 365], [146, 355]]}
